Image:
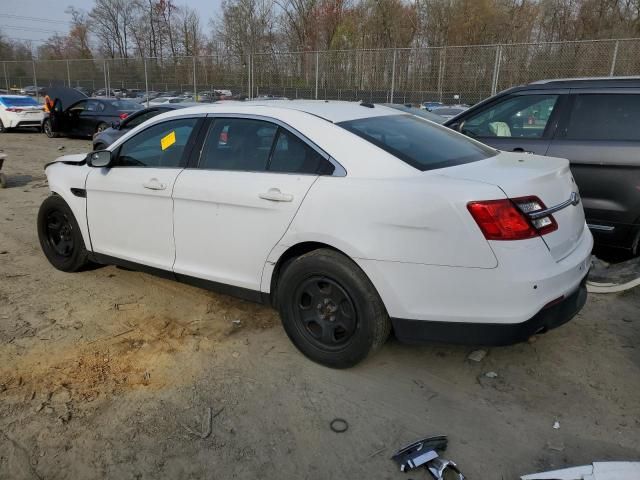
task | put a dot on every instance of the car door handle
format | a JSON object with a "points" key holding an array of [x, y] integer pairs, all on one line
{"points": [[275, 195], [154, 184]]}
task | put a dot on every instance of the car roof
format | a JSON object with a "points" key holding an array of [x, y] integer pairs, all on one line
{"points": [[333, 111]]}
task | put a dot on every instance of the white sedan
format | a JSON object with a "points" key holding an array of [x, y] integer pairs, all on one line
{"points": [[17, 111], [349, 218]]}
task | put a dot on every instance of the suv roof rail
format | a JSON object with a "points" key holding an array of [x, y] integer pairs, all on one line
{"points": [[583, 79]]}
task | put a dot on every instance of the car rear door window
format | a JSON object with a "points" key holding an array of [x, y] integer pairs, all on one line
{"points": [[520, 116], [94, 106], [238, 144], [292, 155], [604, 117], [161, 145]]}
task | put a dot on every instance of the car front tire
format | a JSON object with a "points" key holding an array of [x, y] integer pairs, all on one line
{"points": [[46, 128], [60, 236], [330, 309]]}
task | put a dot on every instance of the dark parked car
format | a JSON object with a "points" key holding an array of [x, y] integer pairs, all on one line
{"points": [[593, 122], [74, 114], [105, 138]]}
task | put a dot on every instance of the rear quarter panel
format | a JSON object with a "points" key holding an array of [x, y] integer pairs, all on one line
{"points": [[421, 219]]}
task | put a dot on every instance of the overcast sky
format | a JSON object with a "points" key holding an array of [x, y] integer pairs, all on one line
{"points": [[47, 16]]}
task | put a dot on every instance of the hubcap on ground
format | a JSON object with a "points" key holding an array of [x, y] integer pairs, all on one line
{"points": [[60, 233], [325, 313]]}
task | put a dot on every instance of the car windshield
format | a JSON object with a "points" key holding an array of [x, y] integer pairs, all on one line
{"points": [[126, 105], [419, 143], [19, 102]]}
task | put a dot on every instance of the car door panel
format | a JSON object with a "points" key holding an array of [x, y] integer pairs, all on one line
{"points": [[232, 210], [129, 205], [227, 222], [606, 168], [130, 214]]}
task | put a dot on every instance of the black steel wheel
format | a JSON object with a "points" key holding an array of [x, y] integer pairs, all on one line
{"points": [[324, 313], [60, 236], [330, 309], [59, 232]]}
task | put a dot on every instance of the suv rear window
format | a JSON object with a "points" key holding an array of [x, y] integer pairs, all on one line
{"points": [[605, 117], [417, 142]]}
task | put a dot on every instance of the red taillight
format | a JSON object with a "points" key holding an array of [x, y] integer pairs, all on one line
{"points": [[501, 220], [123, 116], [507, 219]]}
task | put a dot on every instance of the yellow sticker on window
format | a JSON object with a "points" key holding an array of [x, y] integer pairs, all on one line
{"points": [[168, 140]]}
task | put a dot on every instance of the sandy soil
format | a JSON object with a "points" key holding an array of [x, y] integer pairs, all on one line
{"points": [[113, 373]]}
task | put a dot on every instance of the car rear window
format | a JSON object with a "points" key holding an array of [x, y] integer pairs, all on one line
{"points": [[417, 142], [19, 102], [126, 105]]}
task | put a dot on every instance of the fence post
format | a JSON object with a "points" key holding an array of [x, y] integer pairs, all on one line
{"points": [[441, 66], [249, 76], [317, 73], [146, 80], [6, 78], [104, 70], [496, 70], [195, 85], [615, 58], [68, 74], [393, 75], [35, 79]]}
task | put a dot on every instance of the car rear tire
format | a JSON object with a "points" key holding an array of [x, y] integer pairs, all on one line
{"points": [[46, 128], [99, 146], [101, 127], [2, 129], [60, 236], [330, 309], [3, 180]]}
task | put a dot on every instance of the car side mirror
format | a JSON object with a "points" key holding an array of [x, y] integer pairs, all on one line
{"points": [[101, 158]]}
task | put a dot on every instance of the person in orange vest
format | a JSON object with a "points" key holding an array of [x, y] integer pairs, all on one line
{"points": [[48, 104]]}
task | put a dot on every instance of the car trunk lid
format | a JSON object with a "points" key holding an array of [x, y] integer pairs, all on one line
{"points": [[547, 178]]}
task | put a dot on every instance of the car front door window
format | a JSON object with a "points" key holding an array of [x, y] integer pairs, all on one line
{"points": [[159, 146], [521, 116]]}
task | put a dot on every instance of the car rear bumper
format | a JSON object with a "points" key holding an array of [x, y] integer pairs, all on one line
{"points": [[495, 334]]}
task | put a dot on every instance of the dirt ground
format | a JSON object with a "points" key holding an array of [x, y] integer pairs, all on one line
{"points": [[111, 373]]}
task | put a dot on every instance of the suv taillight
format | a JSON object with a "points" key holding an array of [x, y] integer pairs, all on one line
{"points": [[508, 219]]}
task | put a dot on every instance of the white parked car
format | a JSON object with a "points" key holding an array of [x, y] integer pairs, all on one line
{"points": [[348, 218], [19, 111], [165, 100]]}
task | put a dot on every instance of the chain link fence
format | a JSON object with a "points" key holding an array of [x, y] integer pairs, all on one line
{"points": [[452, 74]]}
